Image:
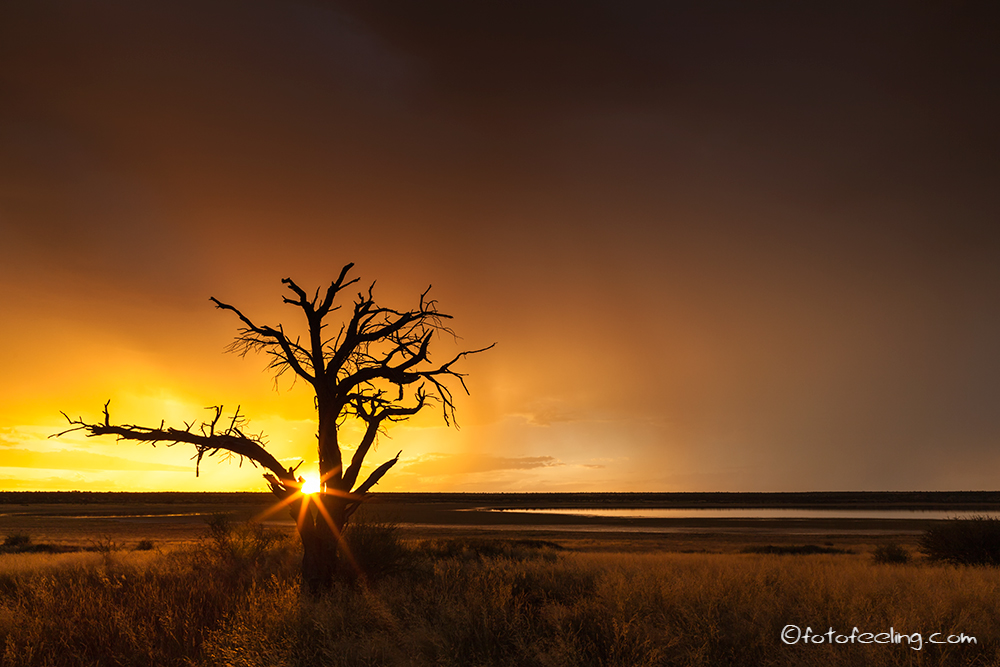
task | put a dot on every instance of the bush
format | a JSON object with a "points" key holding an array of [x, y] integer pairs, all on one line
{"points": [[105, 545], [974, 541], [374, 549], [890, 553], [21, 543], [241, 544], [144, 545], [17, 540]]}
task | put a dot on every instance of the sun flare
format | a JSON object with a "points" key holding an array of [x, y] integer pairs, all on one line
{"points": [[311, 485]]}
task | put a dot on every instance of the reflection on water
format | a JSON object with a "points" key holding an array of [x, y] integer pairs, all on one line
{"points": [[681, 530], [754, 513]]}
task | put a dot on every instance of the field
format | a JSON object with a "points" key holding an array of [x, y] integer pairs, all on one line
{"points": [[150, 583]]}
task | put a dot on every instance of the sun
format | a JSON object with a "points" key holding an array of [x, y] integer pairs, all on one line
{"points": [[311, 485]]}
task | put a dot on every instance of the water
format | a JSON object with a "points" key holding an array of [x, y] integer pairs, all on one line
{"points": [[752, 513]]}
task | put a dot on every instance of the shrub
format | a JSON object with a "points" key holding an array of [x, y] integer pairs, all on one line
{"points": [[374, 549], [974, 541], [105, 545], [21, 543], [241, 544], [144, 545], [220, 529], [890, 553], [17, 540]]}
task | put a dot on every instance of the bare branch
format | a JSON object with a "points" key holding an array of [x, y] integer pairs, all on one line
{"points": [[303, 301], [258, 338], [376, 475], [335, 287], [374, 410], [231, 441]]}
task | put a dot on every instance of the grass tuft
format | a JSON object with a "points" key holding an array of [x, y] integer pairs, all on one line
{"points": [[890, 554], [145, 545]]}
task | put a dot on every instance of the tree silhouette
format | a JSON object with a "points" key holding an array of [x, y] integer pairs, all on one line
{"points": [[376, 369]]}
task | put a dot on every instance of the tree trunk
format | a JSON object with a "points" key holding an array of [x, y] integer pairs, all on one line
{"points": [[320, 531], [322, 523], [330, 463]]}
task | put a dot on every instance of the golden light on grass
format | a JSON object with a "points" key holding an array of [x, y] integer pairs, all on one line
{"points": [[687, 609]]}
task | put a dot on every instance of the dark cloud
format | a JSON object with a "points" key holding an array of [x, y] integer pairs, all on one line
{"points": [[770, 227]]}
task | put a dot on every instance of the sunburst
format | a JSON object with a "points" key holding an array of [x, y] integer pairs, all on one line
{"points": [[310, 486], [309, 492]]}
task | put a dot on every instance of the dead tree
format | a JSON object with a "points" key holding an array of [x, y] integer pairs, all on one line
{"points": [[376, 368]]}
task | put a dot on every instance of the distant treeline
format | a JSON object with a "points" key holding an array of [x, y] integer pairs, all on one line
{"points": [[929, 500], [915, 500]]}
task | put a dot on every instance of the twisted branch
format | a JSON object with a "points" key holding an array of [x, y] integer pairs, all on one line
{"points": [[207, 442]]}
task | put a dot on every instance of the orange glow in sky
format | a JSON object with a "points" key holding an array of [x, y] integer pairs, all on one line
{"points": [[744, 251]]}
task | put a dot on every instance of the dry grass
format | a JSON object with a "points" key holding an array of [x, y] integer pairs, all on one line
{"points": [[478, 605]]}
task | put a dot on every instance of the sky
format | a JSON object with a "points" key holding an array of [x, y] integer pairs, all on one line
{"points": [[719, 246]]}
